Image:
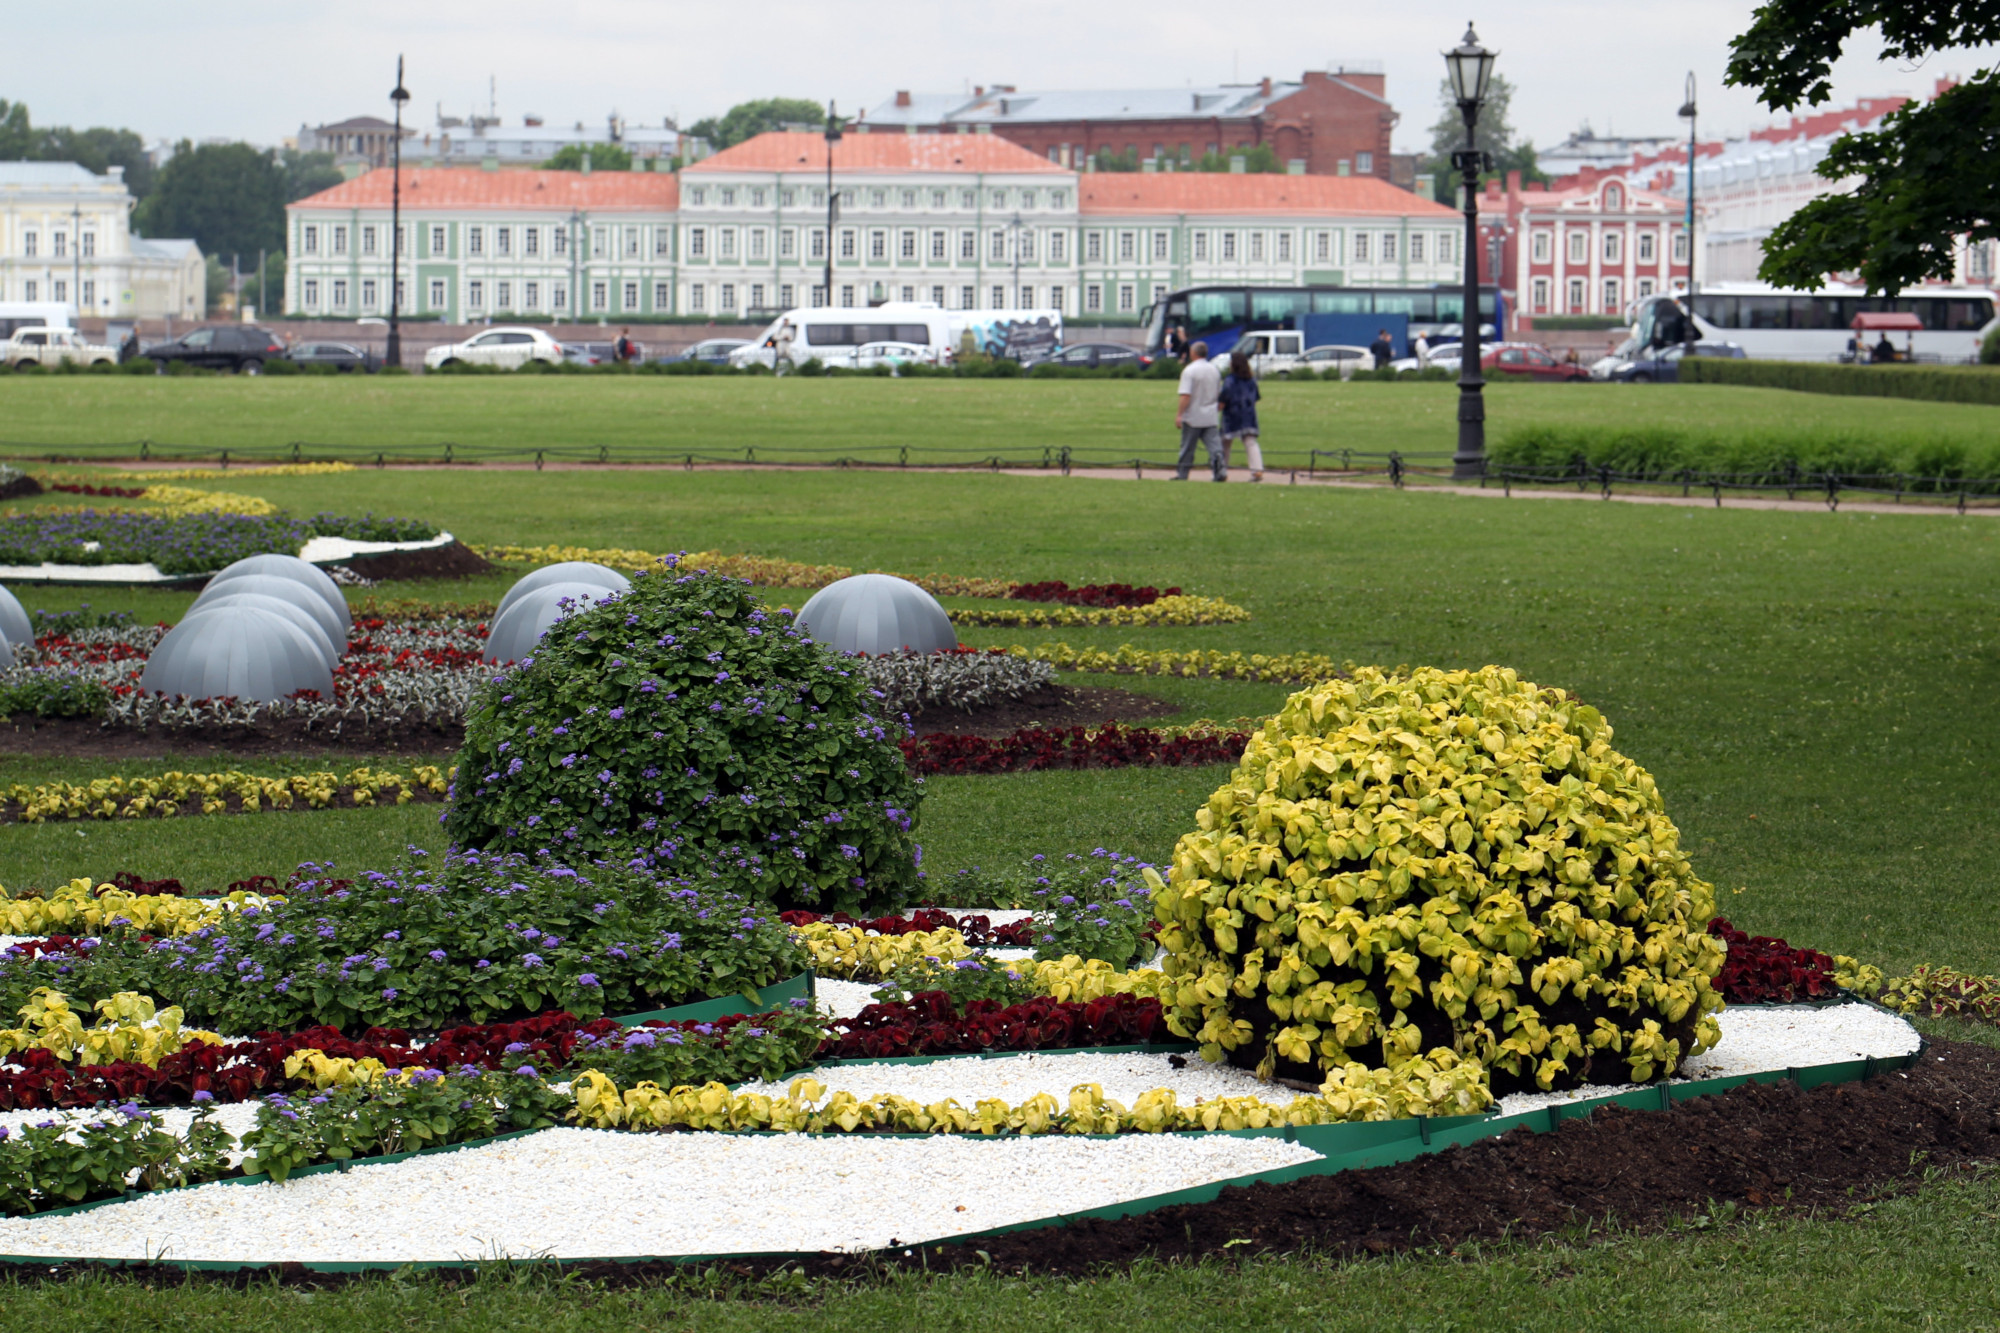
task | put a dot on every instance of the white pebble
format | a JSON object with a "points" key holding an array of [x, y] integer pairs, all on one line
{"points": [[1016, 1078]]}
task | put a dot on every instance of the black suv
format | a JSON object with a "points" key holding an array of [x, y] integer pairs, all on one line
{"points": [[243, 348]]}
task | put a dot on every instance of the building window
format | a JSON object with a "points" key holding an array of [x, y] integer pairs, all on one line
{"points": [[1159, 292], [311, 293], [437, 294], [1645, 288], [909, 294], [1322, 247], [698, 196], [62, 290], [339, 241], [631, 242], [999, 201], [1284, 247], [559, 241], [847, 294], [697, 242], [1093, 247], [1128, 246], [784, 296], [30, 290], [1127, 298], [503, 296], [1447, 248], [1058, 247], [531, 296], [906, 246], [909, 199], [1228, 246], [937, 297], [1160, 246], [308, 240], [559, 297], [788, 243], [89, 292], [1579, 246], [1388, 250], [661, 296], [1257, 247], [367, 241], [728, 301], [1360, 247], [756, 296], [90, 245], [725, 239], [1058, 198], [62, 244], [968, 199], [600, 295], [1026, 298], [938, 251], [1540, 288], [1680, 247], [878, 199], [475, 294], [968, 246], [999, 299], [1614, 199], [475, 240], [818, 296], [966, 298], [760, 247], [1648, 247], [1024, 239], [1416, 247], [1611, 302], [847, 243], [1201, 245], [697, 297], [937, 201], [1364, 164], [367, 293], [1055, 298], [531, 241], [1539, 247], [632, 296], [997, 251], [1093, 298], [1576, 296], [662, 241], [878, 244], [438, 245], [503, 241], [816, 243], [1614, 247]]}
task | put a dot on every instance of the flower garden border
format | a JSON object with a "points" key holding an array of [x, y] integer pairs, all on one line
{"points": [[803, 986]]}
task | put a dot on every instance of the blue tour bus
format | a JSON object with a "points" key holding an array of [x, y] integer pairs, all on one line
{"points": [[1220, 313]]}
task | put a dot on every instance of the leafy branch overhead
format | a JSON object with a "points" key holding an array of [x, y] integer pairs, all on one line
{"points": [[1928, 176]]}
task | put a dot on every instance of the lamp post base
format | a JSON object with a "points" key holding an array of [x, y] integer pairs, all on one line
{"points": [[1469, 463]]}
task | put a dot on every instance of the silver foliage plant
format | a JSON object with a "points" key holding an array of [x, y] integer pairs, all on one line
{"points": [[911, 681]]}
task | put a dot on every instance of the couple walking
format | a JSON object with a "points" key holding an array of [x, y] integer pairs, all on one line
{"points": [[1217, 412]]}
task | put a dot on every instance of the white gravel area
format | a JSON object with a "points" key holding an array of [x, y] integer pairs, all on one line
{"points": [[578, 1193], [845, 999], [1756, 1038], [1016, 1078], [236, 1117]]}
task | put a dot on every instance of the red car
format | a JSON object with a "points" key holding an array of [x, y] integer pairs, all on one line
{"points": [[1524, 361]]}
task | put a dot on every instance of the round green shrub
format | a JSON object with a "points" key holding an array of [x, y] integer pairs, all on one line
{"points": [[1456, 860], [686, 726]]}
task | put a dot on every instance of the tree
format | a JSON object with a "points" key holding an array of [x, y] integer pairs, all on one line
{"points": [[603, 157], [747, 120], [1494, 135], [308, 174], [229, 197], [95, 149], [1926, 177]]}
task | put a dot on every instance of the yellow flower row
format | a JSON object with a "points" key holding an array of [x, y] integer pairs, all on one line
{"points": [[856, 955], [135, 798], [178, 501], [1177, 610], [1282, 668], [77, 908], [262, 470], [128, 1028]]}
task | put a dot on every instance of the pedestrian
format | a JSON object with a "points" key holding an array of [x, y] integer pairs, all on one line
{"points": [[129, 347], [1198, 413], [1421, 349], [1239, 414], [621, 351], [1177, 344], [1383, 350]]}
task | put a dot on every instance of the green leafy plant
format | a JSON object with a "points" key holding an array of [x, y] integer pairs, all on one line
{"points": [[964, 980], [762, 1046]]}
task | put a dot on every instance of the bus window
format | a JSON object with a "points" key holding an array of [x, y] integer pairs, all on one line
{"points": [[1211, 312], [1813, 312], [1721, 312], [1968, 314], [1278, 307], [1450, 308], [1764, 312], [1342, 303], [1387, 304]]}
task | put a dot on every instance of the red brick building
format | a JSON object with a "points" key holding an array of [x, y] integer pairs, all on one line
{"points": [[1329, 123]]}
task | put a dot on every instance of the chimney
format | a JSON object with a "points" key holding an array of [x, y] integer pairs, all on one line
{"points": [[1513, 182], [1265, 86], [902, 97], [978, 90]]}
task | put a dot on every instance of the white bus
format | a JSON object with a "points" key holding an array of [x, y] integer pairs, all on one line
{"points": [[832, 334], [1780, 325], [35, 315]]}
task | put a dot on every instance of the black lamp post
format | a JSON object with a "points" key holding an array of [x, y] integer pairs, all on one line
{"points": [[1688, 110], [392, 354], [832, 201], [1470, 66]]}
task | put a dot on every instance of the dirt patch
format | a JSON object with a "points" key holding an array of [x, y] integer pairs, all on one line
{"points": [[85, 738], [454, 561], [1050, 706]]}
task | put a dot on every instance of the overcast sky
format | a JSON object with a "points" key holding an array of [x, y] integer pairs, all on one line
{"points": [[256, 72]]}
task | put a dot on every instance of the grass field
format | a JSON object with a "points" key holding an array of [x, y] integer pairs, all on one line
{"points": [[937, 419], [1816, 693]]}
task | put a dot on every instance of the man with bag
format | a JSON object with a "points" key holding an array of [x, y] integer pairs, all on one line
{"points": [[1199, 416]]}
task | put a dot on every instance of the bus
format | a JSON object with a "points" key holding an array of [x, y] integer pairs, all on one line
{"points": [[35, 315], [1219, 314], [1787, 325]]}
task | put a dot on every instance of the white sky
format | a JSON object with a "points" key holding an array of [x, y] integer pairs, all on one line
{"points": [[256, 72]]}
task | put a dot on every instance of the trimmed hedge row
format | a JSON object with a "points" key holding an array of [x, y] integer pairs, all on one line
{"points": [[1938, 384], [1666, 451]]}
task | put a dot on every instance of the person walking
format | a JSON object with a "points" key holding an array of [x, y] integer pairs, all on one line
{"points": [[1177, 344], [621, 351], [1198, 413], [1239, 414], [1383, 350]]}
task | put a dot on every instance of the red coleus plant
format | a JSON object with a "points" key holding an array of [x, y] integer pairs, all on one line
{"points": [[1031, 748], [1091, 594], [928, 1024], [1762, 970], [979, 930]]}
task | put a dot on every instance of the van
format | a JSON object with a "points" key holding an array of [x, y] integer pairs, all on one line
{"points": [[1272, 352], [35, 315], [831, 335]]}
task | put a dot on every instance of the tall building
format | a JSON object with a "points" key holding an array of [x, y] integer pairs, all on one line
{"points": [[65, 235], [357, 143]]}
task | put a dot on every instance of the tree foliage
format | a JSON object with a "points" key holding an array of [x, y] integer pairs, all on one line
{"points": [[95, 149], [229, 197], [601, 156], [308, 173], [747, 120], [1494, 135], [1926, 177]]}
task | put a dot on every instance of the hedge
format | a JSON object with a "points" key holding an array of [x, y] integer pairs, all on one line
{"points": [[1940, 384], [1667, 451]]}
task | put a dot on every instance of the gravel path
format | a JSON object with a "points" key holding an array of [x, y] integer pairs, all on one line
{"points": [[1016, 1078], [580, 1193]]}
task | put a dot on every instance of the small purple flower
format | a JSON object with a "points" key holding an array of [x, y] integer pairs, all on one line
{"points": [[437, 955], [587, 979], [203, 1096], [388, 992], [531, 960]]}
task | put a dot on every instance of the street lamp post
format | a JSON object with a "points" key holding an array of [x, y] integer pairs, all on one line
{"points": [[1687, 325], [1471, 67], [392, 353], [832, 200]]}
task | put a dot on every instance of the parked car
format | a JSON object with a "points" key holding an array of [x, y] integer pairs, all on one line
{"points": [[54, 347], [345, 357], [1272, 352], [1663, 364], [715, 351], [1529, 361], [869, 355], [1098, 354], [590, 354], [243, 348], [508, 348]]}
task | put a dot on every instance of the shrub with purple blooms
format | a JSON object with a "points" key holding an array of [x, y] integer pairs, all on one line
{"points": [[687, 725], [1095, 906]]}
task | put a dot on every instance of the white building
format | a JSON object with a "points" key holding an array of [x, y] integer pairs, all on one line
{"points": [[65, 235]]}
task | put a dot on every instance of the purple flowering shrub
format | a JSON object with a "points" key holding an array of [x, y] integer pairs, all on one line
{"points": [[180, 544], [1095, 906], [685, 724]]}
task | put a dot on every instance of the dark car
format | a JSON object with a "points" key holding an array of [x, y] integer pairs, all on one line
{"points": [[1098, 354], [1529, 362], [337, 356], [715, 351], [243, 348], [1663, 364]]}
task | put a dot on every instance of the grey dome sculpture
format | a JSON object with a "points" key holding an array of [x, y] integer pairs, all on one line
{"points": [[568, 571], [300, 571], [242, 651], [285, 590], [292, 611], [877, 613], [514, 632], [14, 622]]}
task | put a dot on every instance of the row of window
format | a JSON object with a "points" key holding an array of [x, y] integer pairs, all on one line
{"points": [[1576, 293], [31, 245], [702, 297], [482, 241], [31, 290], [1645, 247], [908, 198]]}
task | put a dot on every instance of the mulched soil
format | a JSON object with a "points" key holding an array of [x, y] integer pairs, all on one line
{"points": [[1050, 706], [453, 561]]}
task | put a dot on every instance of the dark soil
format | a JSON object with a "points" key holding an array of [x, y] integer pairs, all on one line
{"points": [[454, 561], [85, 738], [1050, 706]]}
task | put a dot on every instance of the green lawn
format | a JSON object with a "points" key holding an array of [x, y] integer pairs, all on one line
{"points": [[938, 419]]}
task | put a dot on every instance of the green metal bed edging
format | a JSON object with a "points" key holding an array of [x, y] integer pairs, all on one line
{"points": [[1343, 1147], [803, 986]]}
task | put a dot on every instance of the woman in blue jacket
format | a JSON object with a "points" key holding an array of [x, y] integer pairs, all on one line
{"points": [[1239, 414]]}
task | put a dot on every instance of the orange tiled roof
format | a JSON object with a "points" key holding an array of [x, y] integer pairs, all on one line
{"points": [[474, 187], [1221, 192], [888, 152]]}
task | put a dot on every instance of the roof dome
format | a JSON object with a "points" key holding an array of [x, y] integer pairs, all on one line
{"points": [[285, 590], [292, 611], [515, 631], [877, 613], [14, 623], [252, 654], [569, 571], [301, 571]]}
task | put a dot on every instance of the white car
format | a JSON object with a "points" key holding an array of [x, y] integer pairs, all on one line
{"points": [[869, 355], [50, 347], [508, 348], [1272, 352], [1343, 357]]}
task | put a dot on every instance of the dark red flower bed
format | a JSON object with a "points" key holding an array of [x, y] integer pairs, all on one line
{"points": [[109, 492], [1031, 748], [1763, 970], [928, 1024], [1090, 594], [979, 931], [148, 888], [52, 947]]}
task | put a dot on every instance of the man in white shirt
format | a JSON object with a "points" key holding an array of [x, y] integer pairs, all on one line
{"points": [[1199, 417]]}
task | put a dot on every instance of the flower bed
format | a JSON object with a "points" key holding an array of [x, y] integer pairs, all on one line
{"points": [[1091, 594], [1108, 746], [1281, 668], [928, 1023], [1164, 611], [234, 792], [965, 678], [193, 542]]}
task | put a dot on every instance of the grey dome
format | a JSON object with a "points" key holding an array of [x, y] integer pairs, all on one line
{"points": [[300, 571], [515, 631], [292, 611], [238, 650], [15, 625], [877, 613], [285, 590], [569, 571]]}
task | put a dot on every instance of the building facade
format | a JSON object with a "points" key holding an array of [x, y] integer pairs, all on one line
{"points": [[968, 222], [66, 235], [1587, 250], [1329, 122], [357, 143]]}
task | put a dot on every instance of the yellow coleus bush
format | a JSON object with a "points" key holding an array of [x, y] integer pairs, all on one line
{"points": [[1281, 668], [78, 908], [857, 955], [1175, 610], [1073, 979], [1443, 860], [128, 1028]]}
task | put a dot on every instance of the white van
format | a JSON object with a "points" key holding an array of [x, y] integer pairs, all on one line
{"points": [[832, 335], [35, 315], [1272, 352]]}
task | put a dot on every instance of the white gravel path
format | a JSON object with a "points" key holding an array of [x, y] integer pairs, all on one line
{"points": [[578, 1193], [1016, 1078], [236, 1117]]}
